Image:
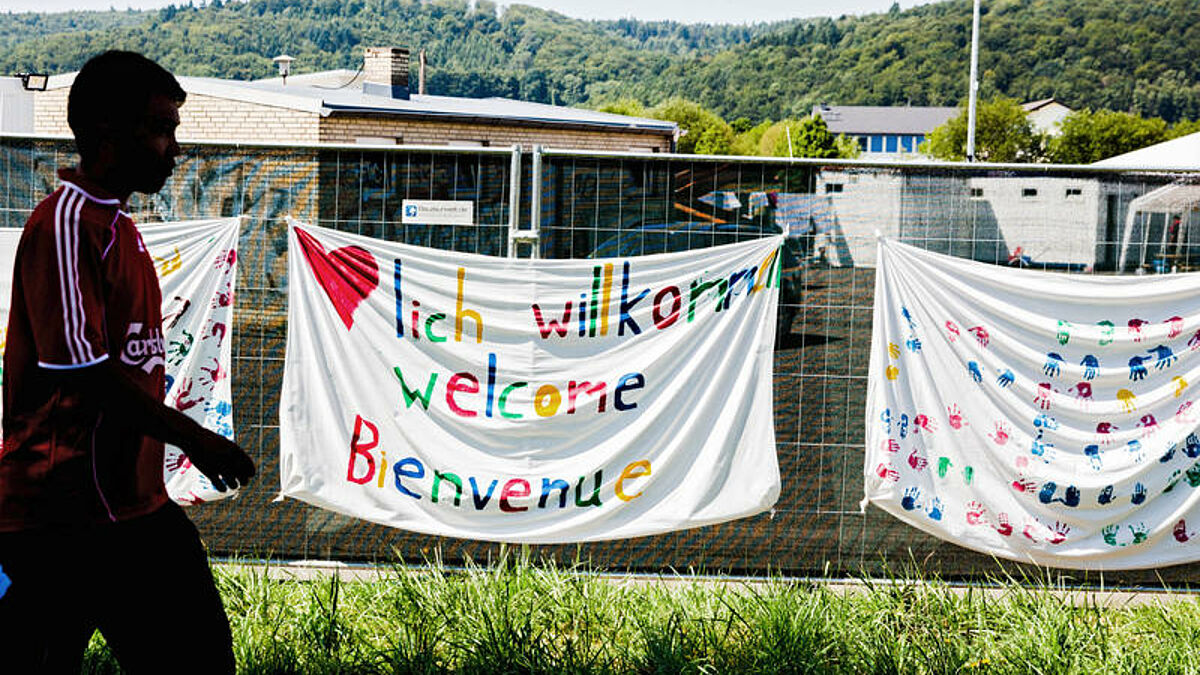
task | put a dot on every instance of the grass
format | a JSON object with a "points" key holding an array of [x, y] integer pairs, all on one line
{"points": [[518, 616]]}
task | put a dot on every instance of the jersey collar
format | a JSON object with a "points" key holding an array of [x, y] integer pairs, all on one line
{"points": [[72, 178]]}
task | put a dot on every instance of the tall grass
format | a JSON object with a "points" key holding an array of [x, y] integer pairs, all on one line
{"points": [[518, 616]]}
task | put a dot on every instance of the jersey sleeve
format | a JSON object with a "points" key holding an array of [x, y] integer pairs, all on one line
{"points": [[63, 280]]}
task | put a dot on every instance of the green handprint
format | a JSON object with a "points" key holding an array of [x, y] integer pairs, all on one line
{"points": [[1139, 533], [178, 349], [1064, 332], [943, 466], [1193, 475], [968, 474], [1106, 332], [1110, 534]]}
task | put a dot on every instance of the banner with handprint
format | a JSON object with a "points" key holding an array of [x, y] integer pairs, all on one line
{"points": [[196, 264], [1036, 416], [537, 401], [197, 268]]}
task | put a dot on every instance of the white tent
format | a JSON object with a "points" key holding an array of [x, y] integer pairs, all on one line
{"points": [[1181, 154]]}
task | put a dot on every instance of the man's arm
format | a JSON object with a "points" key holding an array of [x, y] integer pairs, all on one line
{"points": [[118, 396]]}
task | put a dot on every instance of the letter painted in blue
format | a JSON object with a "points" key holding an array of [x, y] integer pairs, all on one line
{"points": [[399, 302], [491, 385], [627, 304], [549, 486], [401, 471], [480, 503]]}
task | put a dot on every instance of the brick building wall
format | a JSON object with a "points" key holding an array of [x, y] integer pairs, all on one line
{"points": [[207, 118]]}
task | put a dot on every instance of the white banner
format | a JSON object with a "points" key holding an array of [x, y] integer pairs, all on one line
{"points": [[196, 263], [529, 401], [1036, 416]]}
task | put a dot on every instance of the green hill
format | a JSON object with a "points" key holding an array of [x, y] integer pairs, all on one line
{"points": [[1141, 57]]}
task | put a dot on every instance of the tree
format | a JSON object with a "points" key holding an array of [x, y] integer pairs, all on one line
{"points": [[703, 130], [1089, 136], [1003, 133], [809, 137]]}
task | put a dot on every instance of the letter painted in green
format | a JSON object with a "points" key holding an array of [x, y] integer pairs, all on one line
{"points": [[595, 498], [433, 318], [451, 478], [697, 290], [504, 400], [411, 395], [549, 486]]}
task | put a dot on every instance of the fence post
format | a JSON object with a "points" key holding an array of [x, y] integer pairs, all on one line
{"points": [[514, 201]]}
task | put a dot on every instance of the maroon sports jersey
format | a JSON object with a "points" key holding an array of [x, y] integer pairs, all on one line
{"points": [[84, 290]]}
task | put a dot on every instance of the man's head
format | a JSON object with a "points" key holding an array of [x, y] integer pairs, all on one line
{"points": [[123, 109]]}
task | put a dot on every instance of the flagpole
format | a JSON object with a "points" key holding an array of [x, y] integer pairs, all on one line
{"points": [[974, 86]]}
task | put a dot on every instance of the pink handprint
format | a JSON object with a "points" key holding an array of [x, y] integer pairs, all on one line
{"points": [[980, 334], [1175, 325], [1082, 391], [1185, 414], [952, 331], [1001, 435], [1135, 328], [178, 462], [1024, 485], [192, 499], [226, 259], [222, 299], [887, 471], [1105, 430], [917, 462], [1031, 529], [975, 512], [955, 417], [1194, 341], [925, 422], [1147, 424], [891, 445], [217, 331], [215, 374]]}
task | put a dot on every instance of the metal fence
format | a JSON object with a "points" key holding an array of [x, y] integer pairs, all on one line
{"points": [[1074, 219]]}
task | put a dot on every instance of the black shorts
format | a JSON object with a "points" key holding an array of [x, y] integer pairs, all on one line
{"points": [[144, 583]]}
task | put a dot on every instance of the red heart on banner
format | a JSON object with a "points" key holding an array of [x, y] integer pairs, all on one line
{"points": [[347, 274]]}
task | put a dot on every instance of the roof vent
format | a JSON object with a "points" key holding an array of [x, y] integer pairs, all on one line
{"points": [[385, 72]]}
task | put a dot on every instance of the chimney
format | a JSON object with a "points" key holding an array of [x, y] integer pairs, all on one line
{"points": [[421, 75], [385, 72]]}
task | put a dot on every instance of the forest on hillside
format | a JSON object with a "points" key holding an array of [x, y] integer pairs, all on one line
{"points": [[1141, 57]]}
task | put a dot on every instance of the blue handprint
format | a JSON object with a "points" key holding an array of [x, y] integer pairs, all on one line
{"points": [[1042, 449], [1139, 494], [1135, 449], [1092, 452], [914, 344], [912, 325], [1164, 355], [1071, 497], [1136, 370], [935, 509], [903, 425], [1169, 454], [976, 371], [909, 501], [886, 418], [1053, 365], [1106, 495], [1191, 446], [1090, 365], [1046, 496], [168, 382], [1044, 422], [1006, 378]]}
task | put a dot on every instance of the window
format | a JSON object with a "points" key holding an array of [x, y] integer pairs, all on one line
{"points": [[877, 144], [862, 143], [976, 193], [1029, 192], [1074, 192], [891, 144], [378, 140], [833, 187]]}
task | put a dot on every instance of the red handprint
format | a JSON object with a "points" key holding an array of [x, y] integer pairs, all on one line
{"points": [[1042, 397], [178, 462], [1194, 341], [218, 331], [222, 299], [980, 334], [215, 374], [1185, 414], [1175, 324], [952, 331], [1135, 328], [916, 461], [1082, 391], [1181, 533], [1003, 527], [1024, 485], [1060, 533], [226, 259], [888, 472], [891, 445], [1000, 435], [183, 399], [192, 499], [1105, 430], [955, 417], [1147, 424], [1031, 529], [924, 422]]}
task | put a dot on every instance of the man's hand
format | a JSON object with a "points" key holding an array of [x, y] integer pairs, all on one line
{"points": [[219, 459]]}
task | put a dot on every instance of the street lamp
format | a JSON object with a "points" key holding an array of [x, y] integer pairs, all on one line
{"points": [[285, 66], [33, 81]]}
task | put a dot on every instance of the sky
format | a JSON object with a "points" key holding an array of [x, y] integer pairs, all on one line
{"points": [[706, 11]]}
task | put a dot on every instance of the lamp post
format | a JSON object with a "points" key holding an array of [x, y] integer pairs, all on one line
{"points": [[285, 66], [974, 87]]}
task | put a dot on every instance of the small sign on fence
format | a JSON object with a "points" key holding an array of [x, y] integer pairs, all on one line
{"points": [[438, 212]]}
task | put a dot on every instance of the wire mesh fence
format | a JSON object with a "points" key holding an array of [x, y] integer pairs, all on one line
{"points": [[1071, 219]]}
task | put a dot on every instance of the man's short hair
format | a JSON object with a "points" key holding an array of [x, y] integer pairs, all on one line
{"points": [[112, 90]]}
